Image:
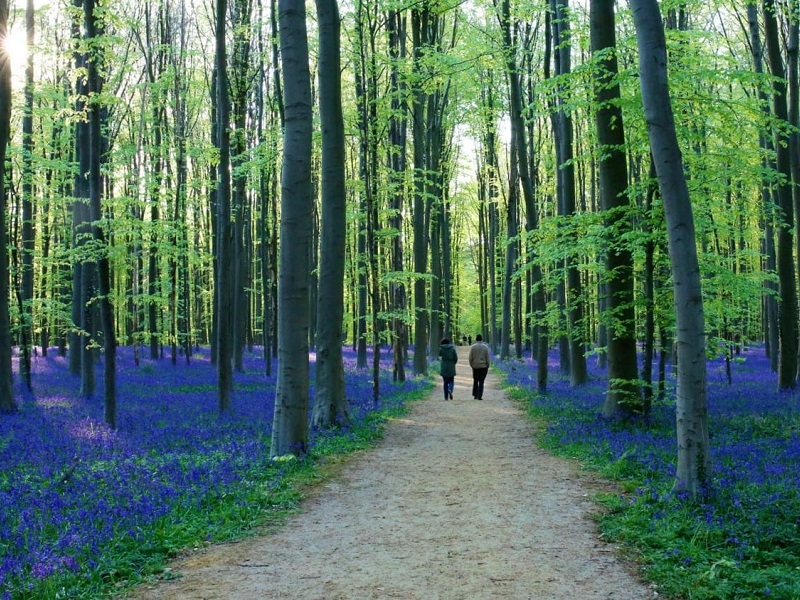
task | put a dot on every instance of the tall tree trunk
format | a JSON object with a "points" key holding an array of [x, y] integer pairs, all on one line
{"points": [[96, 145], [511, 248], [7, 402], [330, 404], [787, 372], [623, 394], [566, 179], [765, 143], [290, 424], [524, 165], [365, 100], [225, 243], [85, 269], [396, 28], [28, 239], [693, 473], [242, 254], [419, 27], [649, 287]]}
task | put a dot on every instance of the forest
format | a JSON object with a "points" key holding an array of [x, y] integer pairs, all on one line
{"points": [[603, 182]]}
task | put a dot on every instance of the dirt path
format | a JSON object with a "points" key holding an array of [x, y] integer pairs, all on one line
{"points": [[456, 502]]}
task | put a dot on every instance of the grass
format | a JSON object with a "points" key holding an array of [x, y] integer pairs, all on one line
{"points": [[86, 512], [742, 542]]}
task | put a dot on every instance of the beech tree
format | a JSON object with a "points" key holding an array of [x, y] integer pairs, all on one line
{"points": [[96, 148], [788, 327], [623, 393], [694, 457], [290, 423], [330, 404], [7, 402], [28, 239], [225, 249]]}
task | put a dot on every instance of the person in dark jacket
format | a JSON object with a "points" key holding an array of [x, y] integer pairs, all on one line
{"points": [[479, 361], [447, 368]]}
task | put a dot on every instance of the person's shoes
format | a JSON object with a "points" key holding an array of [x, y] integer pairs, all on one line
{"points": [[451, 395]]}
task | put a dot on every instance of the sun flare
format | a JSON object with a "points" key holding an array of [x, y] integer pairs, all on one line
{"points": [[17, 48]]}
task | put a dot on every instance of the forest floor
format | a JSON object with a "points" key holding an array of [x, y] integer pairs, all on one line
{"points": [[455, 502]]}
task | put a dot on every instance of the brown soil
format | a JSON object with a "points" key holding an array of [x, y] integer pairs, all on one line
{"points": [[456, 502]]}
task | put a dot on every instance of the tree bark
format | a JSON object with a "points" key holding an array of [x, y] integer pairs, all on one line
{"points": [[330, 406], [7, 402], [224, 226], [765, 143], [396, 28], [290, 424], [419, 19], [28, 235], [623, 396], [788, 327], [96, 145], [566, 179], [693, 471]]}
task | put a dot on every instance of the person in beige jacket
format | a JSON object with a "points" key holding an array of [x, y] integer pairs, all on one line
{"points": [[479, 362]]}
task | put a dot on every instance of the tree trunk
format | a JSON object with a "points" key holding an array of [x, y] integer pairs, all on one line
{"points": [[28, 239], [511, 248], [524, 166], [96, 145], [419, 25], [396, 28], [788, 328], [693, 473], [290, 424], [573, 293], [623, 396], [7, 402], [240, 88], [330, 405], [225, 266], [765, 143]]}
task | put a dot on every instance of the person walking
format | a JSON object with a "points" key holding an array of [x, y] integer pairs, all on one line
{"points": [[479, 361], [447, 368]]}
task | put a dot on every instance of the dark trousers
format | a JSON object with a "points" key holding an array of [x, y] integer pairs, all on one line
{"points": [[478, 377], [449, 384]]}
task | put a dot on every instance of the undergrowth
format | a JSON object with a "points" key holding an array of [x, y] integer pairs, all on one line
{"points": [[262, 500], [739, 543]]}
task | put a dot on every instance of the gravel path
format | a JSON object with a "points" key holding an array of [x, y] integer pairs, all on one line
{"points": [[456, 502]]}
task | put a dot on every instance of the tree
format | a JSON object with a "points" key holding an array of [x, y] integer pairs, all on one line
{"points": [[290, 423], [623, 394], [96, 146], [28, 238], [419, 31], [564, 136], [788, 327], [396, 29], [225, 248], [694, 461], [7, 402], [330, 404]]}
